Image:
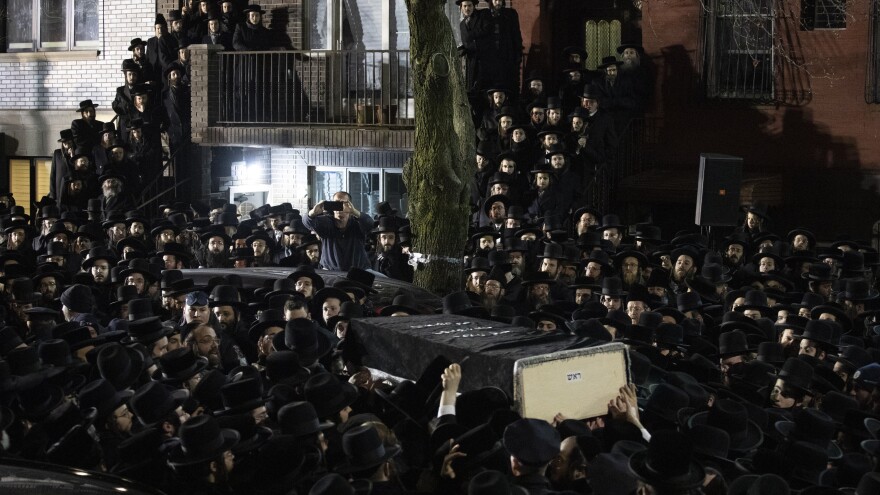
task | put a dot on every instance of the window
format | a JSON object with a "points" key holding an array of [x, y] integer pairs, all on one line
{"points": [[29, 179], [367, 186], [872, 83], [602, 39], [823, 14], [738, 49], [51, 25]]}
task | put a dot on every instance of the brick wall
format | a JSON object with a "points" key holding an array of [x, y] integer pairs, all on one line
{"points": [[59, 85], [205, 74], [289, 178]]}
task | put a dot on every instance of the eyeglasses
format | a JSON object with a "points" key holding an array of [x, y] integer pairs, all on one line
{"points": [[208, 341]]}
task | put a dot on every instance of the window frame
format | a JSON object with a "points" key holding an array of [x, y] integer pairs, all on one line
{"points": [[70, 43], [317, 196], [813, 10], [718, 55], [872, 72]]}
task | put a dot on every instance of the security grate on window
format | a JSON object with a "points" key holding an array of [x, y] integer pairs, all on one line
{"points": [[823, 14], [739, 50]]}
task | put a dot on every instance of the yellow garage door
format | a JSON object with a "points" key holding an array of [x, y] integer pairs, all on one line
{"points": [[29, 179]]}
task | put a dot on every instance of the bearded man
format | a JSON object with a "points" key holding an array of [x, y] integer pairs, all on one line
{"points": [[683, 268]]}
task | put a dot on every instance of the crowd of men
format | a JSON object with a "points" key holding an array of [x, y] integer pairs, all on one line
{"points": [[549, 148], [754, 359]]}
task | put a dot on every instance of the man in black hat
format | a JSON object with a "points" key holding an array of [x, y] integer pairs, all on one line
{"points": [[203, 461], [602, 137], [532, 444], [162, 47], [61, 165], [504, 43], [176, 99], [474, 33], [216, 35], [123, 100], [388, 259], [147, 71], [251, 35], [114, 195], [86, 130]]}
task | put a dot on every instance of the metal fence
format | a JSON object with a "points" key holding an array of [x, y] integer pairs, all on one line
{"points": [[362, 87]]}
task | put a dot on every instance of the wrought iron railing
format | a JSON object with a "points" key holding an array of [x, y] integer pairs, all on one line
{"points": [[350, 87]]}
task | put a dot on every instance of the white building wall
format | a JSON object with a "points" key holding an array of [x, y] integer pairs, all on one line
{"points": [[38, 97]]}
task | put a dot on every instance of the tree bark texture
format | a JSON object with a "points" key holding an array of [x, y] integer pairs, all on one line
{"points": [[437, 175]]}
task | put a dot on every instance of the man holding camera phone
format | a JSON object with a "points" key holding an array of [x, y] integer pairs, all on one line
{"points": [[343, 233]]}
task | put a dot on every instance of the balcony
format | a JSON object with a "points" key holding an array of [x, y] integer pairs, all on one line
{"points": [[302, 98]]}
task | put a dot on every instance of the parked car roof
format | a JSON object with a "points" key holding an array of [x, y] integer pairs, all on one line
{"points": [[257, 277]]}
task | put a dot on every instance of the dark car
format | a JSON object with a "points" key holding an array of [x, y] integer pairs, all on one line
{"points": [[26, 477], [254, 278]]}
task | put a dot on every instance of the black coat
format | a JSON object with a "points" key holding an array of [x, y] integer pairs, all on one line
{"points": [[504, 46], [86, 134], [249, 37], [474, 32], [602, 138], [178, 108], [61, 171], [161, 52], [224, 39]]}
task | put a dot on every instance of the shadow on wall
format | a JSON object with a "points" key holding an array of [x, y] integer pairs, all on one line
{"points": [[278, 24], [823, 185]]}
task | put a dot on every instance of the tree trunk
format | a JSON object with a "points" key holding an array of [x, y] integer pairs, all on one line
{"points": [[437, 175]]}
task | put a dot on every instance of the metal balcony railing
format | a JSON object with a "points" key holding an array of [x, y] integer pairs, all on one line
{"points": [[317, 87]]}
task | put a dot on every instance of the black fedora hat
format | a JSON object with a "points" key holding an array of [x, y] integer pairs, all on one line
{"points": [[120, 365], [138, 265], [859, 290], [153, 401], [146, 331], [309, 272], [404, 302], [306, 339], [613, 287], [179, 365], [300, 419], [327, 293], [103, 396], [225, 295], [364, 449], [284, 367], [668, 462], [813, 426], [796, 373], [458, 303], [140, 308], [357, 277], [85, 105], [821, 332], [732, 417], [268, 318], [733, 343], [819, 272], [252, 437], [328, 394], [241, 396], [662, 406], [201, 440], [772, 353], [689, 301]]}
